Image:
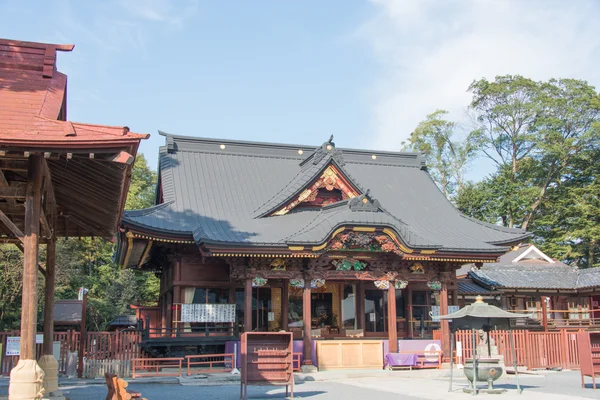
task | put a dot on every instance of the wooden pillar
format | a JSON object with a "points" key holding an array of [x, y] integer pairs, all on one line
{"points": [[33, 205], [285, 300], [545, 314], [392, 323], [445, 324], [360, 305], [248, 305], [169, 310], [409, 311], [177, 303], [163, 311], [49, 297], [455, 297], [307, 322]]}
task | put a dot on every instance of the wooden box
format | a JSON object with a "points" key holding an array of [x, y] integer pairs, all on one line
{"points": [[267, 358]]}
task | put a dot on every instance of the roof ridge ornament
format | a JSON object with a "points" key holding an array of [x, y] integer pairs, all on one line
{"points": [[364, 202], [328, 148]]}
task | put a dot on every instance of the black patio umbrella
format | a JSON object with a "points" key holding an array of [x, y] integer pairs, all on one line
{"points": [[477, 311]]}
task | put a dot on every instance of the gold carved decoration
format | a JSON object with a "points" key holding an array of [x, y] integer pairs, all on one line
{"points": [[278, 264], [417, 268], [330, 179]]}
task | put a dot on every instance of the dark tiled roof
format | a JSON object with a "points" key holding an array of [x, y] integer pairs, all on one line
{"points": [[220, 195], [526, 276], [589, 277], [467, 286], [123, 320]]}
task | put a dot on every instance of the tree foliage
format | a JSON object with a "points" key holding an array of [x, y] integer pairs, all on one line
{"points": [[86, 262], [447, 159], [544, 139]]}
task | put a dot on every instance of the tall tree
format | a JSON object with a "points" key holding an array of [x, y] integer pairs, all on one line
{"points": [[447, 158], [532, 131]]}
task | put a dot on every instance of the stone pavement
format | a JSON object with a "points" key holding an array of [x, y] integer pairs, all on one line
{"points": [[359, 385]]}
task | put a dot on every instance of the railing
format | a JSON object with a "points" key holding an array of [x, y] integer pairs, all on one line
{"points": [[189, 332], [581, 316], [210, 360], [532, 349], [143, 367]]}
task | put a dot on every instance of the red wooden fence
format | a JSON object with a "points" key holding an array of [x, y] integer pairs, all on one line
{"points": [[532, 349], [98, 346]]}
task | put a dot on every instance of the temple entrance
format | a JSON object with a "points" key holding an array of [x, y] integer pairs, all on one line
{"points": [[261, 309], [322, 310], [375, 311]]}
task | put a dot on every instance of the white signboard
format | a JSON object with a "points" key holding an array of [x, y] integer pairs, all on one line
{"points": [[39, 339], [13, 346], [372, 317], [271, 316], [208, 313], [435, 312]]}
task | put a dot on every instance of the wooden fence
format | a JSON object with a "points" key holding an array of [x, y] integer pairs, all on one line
{"points": [[532, 349], [103, 352]]}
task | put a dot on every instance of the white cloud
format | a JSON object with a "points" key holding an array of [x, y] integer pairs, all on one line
{"points": [[166, 11], [430, 51]]}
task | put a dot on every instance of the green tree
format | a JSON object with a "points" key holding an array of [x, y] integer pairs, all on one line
{"points": [[447, 159], [86, 262], [533, 132]]}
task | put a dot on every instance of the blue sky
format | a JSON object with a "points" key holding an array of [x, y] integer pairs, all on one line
{"points": [[298, 71]]}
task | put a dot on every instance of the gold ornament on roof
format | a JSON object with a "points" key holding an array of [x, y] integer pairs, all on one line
{"points": [[278, 264]]}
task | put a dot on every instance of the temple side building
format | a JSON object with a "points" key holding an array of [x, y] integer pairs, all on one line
{"points": [[321, 241]]}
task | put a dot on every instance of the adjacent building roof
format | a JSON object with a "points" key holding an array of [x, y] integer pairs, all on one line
{"points": [[223, 192], [527, 267], [89, 164]]}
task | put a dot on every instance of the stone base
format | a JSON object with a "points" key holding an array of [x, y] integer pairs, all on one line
{"points": [[26, 380], [50, 366], [308, 369], [488, 391]]}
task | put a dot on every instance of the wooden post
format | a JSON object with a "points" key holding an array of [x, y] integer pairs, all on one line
{"points": [[455, 297], [26, 378], [33, 205], [444, 323], [409, 314], [285, 299], [544, 314], [307, 322], [82, 334], [47, 362], [392, 322], [248, 305], [49, 297], [360, 306]]}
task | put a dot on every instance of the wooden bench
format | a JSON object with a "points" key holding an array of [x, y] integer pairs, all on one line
{"points": [[117, 389]]}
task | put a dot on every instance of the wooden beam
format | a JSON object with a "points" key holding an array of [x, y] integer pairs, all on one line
{"points": [[12, 192], [45, 225], [14, 165], [4, 183], [49, 189], [13, 228]]}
